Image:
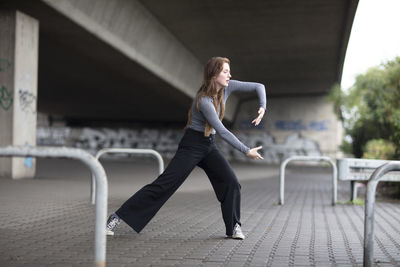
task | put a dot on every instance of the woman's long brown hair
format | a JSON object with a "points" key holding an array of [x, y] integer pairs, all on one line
{"points": [[209, 88]]}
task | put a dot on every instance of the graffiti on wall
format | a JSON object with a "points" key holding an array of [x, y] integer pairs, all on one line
{"points": [[272, 151], [6, 98], [166, 141], [289, 125], [27, 101], [299, 125], [56, 136]]}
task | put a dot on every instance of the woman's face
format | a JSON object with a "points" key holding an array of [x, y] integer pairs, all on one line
{"points": [[223, 77]]}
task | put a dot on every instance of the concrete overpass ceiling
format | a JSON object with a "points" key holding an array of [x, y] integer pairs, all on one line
{"points": [[96, 82], [83, 78], [295, 47]]}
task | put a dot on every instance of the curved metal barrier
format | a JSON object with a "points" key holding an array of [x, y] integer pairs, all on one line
{"points": [[306, 158], [356, 170], [369, 209], [127, 151], [101, 191]]}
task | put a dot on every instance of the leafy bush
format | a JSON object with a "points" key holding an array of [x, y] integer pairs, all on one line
{"points": [[379, 149]]}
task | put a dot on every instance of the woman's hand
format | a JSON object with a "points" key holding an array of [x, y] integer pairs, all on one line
{"points": [[253, 153], [257, 120]]}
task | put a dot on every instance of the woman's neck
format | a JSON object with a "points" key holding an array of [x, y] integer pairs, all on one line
{"points": [[219, 88]]}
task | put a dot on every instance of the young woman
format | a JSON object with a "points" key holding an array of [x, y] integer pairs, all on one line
{"points": [[197, 148]]}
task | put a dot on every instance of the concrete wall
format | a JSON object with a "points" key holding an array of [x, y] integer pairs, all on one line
{"points": [[291, 126], [92, 140], [309, 119]]}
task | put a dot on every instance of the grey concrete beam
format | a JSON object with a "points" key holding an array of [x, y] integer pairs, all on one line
{"points": [[134, 31], [131, 29]]}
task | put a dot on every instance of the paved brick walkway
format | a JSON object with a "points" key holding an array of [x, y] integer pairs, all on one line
{"points": [[49, 222]]}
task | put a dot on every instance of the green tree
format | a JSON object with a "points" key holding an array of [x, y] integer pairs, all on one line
{"points": [[371, 107]]}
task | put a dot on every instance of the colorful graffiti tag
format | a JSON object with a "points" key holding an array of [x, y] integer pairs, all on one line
{"points": [[299, 125]]}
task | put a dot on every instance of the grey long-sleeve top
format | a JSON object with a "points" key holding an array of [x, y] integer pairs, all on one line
{"points": [[207, 112]]}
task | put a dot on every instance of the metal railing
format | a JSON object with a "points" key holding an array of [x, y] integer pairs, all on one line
{"points": [[355, 170], [101, 190], [127, 151], [369, 210], [306, 158]]}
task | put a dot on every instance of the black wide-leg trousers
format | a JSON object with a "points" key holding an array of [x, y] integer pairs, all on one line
{"points": [[194, 149]]}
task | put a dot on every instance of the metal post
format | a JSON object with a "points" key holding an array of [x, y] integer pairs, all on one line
{"points": [[282, 181], [353, 190], [101, 190], [128, 151], [306, 158], [369, 210]]}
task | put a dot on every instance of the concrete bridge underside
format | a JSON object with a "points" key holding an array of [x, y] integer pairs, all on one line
{"points": [[139, 61]]}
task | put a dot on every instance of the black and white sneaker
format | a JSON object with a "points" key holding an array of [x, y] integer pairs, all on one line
{"points": [[112, 223], [237, 232]]}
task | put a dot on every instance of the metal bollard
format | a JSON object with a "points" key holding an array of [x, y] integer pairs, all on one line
{"points": [[129, 151], [101, 190], [306, 158], [369, 210]]}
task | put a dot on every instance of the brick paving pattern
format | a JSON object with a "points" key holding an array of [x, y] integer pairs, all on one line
{"points": [[49, 222]]}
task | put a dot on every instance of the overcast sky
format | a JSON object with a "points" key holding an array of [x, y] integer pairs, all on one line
{"points": [[374, 39]]}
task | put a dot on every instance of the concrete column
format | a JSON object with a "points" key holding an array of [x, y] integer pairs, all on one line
{"points": [[18, 89]]}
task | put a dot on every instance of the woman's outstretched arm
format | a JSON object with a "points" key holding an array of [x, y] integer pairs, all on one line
{"points": [[238, 86], [208, 110]]}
